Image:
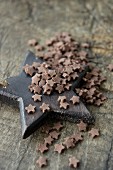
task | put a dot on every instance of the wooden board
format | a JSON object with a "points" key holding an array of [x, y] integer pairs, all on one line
{"points": [[87, 21]]}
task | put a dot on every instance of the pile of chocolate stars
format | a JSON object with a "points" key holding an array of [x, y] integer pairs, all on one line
{"points": [[63, 59]]}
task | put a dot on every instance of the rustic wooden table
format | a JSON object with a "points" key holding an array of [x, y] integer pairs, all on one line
{"points": [[86, 20]]}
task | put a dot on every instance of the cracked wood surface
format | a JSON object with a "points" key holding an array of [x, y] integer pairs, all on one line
{"points": [[87, 20]]}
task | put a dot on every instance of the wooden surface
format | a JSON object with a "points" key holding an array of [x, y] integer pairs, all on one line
{"points": [[86, 20]]}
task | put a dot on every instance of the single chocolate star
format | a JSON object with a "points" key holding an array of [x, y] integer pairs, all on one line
{"points": [[32, 42], [69, 143], [75, 99], [29, 70], [48, 140], [54, 134], [61, 98], [77, 137], [42, 148], [58, 126], [42, 161], [18, 93], [94, 132], [64, 105], [73, 162], [59, 148], [37, 97], [37, 89], [36, 78], [82, 126], [30, 108], [110, 67], [44, 107]]}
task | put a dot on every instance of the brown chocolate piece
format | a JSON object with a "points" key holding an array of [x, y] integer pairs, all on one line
{"points": [[73, 162], [32, 42], [42, 148], [48, 140], [64, 105], [94, 132], [69, 143], [77, 137], [54, 134], [59, 148], [75, 99], [110, 67], [44, 107], [42, 161], [30, 108], [61, 98], [82, 126], [58, 126], [37, 97]]}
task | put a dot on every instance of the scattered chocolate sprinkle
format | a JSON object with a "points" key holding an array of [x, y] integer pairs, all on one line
{"points": [[82, 126], [48, 140], [58, 126], [69, 143], [60, 88], [61, 98], [110, 67], [94, 132], [32, 42], [44, 107], [30, 108], [37, 97], [64, 105], [59, 148], [54, 134], [77, 137], [29, 70], [42, 148], [37, 89], [42, 161], [75, 99], [73, 162]]}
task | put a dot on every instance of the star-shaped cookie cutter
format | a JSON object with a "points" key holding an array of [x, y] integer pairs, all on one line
{"points": [[18, 94]]}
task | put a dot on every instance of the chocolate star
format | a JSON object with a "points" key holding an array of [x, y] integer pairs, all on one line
{"points": [[64, 105], [48, 140], [77, 137], [110, 67], [42, 148], [37, 97], [44, 107], [61, 98], [59, 148], [57, 126], [73, 162], [54, 134], [82, 126], [75, 99], [42, 161], [94, 132], [69, 143], [17, 93], [30, 108]]}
